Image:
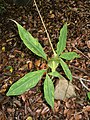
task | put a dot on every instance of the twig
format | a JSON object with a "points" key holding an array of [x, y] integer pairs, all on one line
{"points": [[10, 38], [81, 53], [79, 38], [85, 80], [81, 81], [44, 27], [80, 70], [84, 85], [5, 79], [3, 74]]}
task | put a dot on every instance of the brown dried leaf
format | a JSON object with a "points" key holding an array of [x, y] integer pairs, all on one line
{"points": [[64, 90], [37, 63], [43, 66], [56, 106], [69, 113], [23, 97], [78, 117], [38, 111], [30, 64], [52, 16], [88, 44], [68, 104], [45, 110], [66, 111], [10, 110], [86, 109], [88, 54], [24, 67], [2, 115]]}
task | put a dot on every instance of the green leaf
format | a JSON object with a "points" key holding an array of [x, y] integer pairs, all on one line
{"points": [[30, 42], [88, 94], [53, 63], [25, 83], [55, 74], [49, 91], [69, 55], [66, 69], [62, 39]]}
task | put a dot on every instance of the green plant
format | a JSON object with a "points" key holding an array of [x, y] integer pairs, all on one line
{"points": [[88, 95], [31, 79]]}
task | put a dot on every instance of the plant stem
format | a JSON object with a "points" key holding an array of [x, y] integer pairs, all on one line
{"points": [[81, 80], [45, 28]]}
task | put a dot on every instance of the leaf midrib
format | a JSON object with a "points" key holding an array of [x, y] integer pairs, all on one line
{"points": [[34, 46], [25, 81]]}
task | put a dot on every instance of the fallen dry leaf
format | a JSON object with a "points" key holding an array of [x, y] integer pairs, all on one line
{"points": [[43, 66], [23, 97], [24, 67], [2, 115], [45, 110], [68, 113], [78, 117], [64, 89], [56, 106], [52, 16], [37, 63], [86, 109], [88, 54], [88, 44], [30, 64]]}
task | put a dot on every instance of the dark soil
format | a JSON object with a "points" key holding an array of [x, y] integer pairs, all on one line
{"points": [[16, 60]]}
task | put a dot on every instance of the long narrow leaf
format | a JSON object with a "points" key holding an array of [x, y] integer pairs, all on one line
{"points": [[88, 94], [69, 55], [62, 39], [25, 83], [55, 74], [66, 69], [31, 42], [49, 91]]}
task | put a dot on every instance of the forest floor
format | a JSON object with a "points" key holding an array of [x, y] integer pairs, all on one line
{"points": [[16, 60]]}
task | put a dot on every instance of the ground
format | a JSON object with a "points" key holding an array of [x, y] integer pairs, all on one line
{"points": [[16, 60]]}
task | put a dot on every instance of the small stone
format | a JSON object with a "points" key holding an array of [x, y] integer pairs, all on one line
{"points": [[64, 89]]}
